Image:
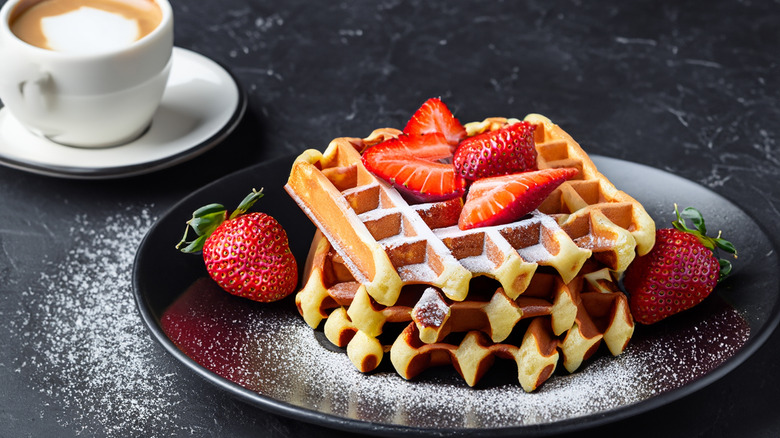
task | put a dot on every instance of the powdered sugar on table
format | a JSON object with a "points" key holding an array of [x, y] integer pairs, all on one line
{"points": [[88, 351]]}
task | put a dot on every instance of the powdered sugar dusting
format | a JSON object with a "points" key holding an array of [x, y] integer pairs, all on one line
{"points": [[90, 353], [431, 309], [534, 253], [282, 358], [442, 400]]}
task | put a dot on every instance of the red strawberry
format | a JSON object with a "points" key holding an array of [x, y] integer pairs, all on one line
{"points": [[504, 199], [510, 149], [678, 273], [434, 116], [411, 164], [246, 254]]}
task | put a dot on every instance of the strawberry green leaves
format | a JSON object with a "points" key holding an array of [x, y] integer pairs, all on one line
{"points": [[700, 231], [206, 219]]}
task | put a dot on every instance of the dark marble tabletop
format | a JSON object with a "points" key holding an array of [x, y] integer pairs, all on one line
{"points": [[688, 87]]}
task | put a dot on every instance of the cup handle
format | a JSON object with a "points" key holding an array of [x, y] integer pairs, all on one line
{"points": [[36, 92]]}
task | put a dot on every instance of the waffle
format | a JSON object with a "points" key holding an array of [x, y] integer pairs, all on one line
{"points": [[550, 321], [378, 263]]}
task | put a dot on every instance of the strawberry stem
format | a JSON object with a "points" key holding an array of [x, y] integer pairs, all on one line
{"points": [[247, 203], [206, 219], [713, 243]]}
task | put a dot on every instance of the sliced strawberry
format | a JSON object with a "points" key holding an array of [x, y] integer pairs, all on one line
{"points": [[410, 163], [434, 116], [504, 199], [510, 149]]}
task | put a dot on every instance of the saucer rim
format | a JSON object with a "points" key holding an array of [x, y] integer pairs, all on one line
{"points": [[145, 167]]}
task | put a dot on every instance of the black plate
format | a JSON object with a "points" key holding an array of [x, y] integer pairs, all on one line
{"points": [[267, 356]]}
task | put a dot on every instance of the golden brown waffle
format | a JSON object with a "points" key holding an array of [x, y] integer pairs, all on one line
{"points": [[550, 320], [394, 264]]}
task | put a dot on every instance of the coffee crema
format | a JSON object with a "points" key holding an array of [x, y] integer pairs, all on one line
{"points": [[85, 26]]}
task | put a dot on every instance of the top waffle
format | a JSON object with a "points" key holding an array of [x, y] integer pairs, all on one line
{"points": [[387, 243]]}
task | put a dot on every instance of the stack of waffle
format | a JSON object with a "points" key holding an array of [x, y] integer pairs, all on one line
{"points": [[392, 277]]}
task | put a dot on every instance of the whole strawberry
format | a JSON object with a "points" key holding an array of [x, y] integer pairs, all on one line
{"points": [[247, 254], [510, 149], [678, 273]]}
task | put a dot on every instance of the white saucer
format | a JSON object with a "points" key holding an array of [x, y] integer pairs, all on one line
{"points": [[201, 105]]}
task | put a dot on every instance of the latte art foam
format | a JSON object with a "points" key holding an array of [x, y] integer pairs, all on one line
{"points": [[85, 26], [89, 30]]}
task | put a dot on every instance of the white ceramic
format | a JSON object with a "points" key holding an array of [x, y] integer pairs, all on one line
{"points": [[202, 105], [86, 100]]}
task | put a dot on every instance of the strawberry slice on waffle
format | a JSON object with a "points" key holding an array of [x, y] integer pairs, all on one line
{"points": [[504, 199], [411, 163], [507, 150], [434, 116]]}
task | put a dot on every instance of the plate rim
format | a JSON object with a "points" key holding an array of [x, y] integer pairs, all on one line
{"points": [[311, 416]]}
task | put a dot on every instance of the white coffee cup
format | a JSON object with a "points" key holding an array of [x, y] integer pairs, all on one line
{"points": [[95, 99]]}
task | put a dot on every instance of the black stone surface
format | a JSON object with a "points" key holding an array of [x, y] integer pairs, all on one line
{"points": [[687, 87]]}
